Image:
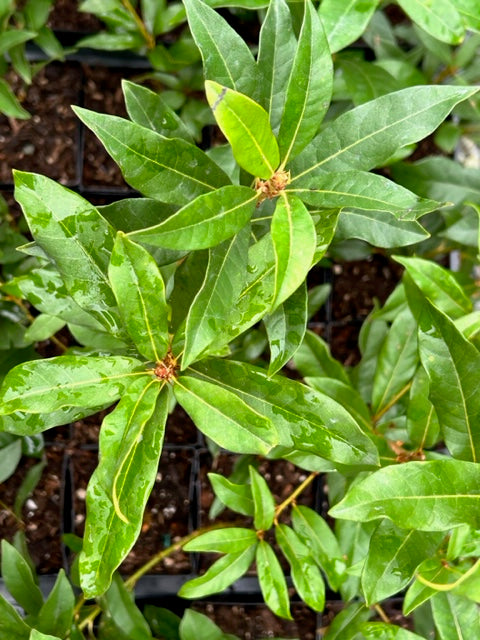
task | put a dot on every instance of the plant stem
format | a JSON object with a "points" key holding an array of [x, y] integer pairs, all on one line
{"points": [[149, 39], [158, 557], [291, 498], [394, 400], [382, 614]]}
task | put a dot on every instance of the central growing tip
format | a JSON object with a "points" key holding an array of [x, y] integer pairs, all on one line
{"points": [[273, 186]]}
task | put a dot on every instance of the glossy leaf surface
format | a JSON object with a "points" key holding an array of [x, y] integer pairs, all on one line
{"points": [[11, 625], [366, 137], [263, 501], [226, 57], [294, 241], [220, 575], [345, 21], [442, 21], [56, 614], [384, 631], [205, 222], [246, 126], [66, 381], [76, 237], [305, 573], [124, 613], [140, 292], [167, 169], [272, 581], [309, 87], [306, 419], [130, 445], [225, 417], [313, 358], [237, 497], [20, 580], [422, 421], [452, 364], [456, 618], [380, 228], [210, 312], [230, 540], [427, 496]]}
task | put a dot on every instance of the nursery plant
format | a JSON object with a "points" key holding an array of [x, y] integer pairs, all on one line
{"points": [[160, 291]]}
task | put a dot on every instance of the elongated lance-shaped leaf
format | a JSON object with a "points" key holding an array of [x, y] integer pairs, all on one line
{"points": [[263, 501], [363, 190], [347, 623], [247, 127], [468, 9], [27, 424], [366, 81], [309, 87], [76, 237], [452, 364], [286, 328], [392, 558], [305, 573], [119, 605], [224, 417], [438, 285], [44, 386], [35, 634], [428, 496], [203, 223], [276, 52], [397, 362], [57, 613], [226, 57], [376, 630], [366, 137], [237, 497], [305, 419], [422, 425], [148, 109], [229, 540], [131, 440], [211, 309], [167, 169], [379, 228], [140, 292], [345, 20], [272, 581], [443, 21], [19, 579], [294, 241], [220, 575], [456, 617], [11, 625]]}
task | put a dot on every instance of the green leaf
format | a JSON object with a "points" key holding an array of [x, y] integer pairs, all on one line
{"points": [[345, 21], [10, 457], [38, 635], [379, 228], [220, 575], [246, 126], [263, 501], [224, 417], [469, 13], [9, 105], [393, 556], [456, 618], [397, 362], [439, 178], [348, 622], [130, 445], [13, 37], [43, 327], [422, 422], [306, 100], [294, 241], [205, 222], [367, 136], [428, 496], [228, 540], [453, 367], [366, 81], [132, 214], [43, 386], [438, 285], [306, 576], [237, 497], [226, 57], [196, 626], [306, 420], [276, 52], [163, 622], [313, 358], [167, 169], [56, 614], [140, 292], [431, 570], [148, 109], [30, 481], [286, 328], [372, 335], [365, 191], [211, 310], [126, 616], [442, 22], [384, 631], [320, 539], [76, 237], [272, 581], [20, 579]]}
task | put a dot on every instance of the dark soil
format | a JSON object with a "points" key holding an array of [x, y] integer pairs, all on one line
{"points": [[65, 16]]}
